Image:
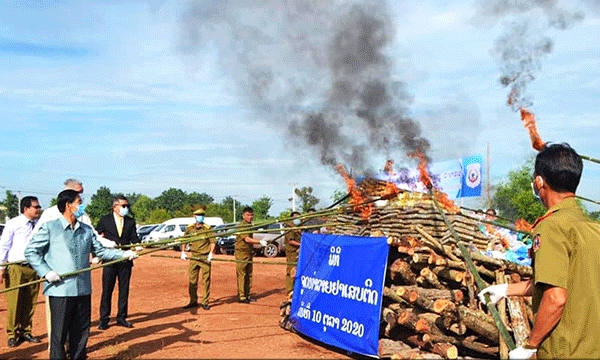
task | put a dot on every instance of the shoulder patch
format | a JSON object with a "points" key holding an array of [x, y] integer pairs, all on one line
{"points": [[535, 244]]}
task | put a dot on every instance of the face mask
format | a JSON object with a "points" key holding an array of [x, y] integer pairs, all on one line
{"points": [[296, 222], [123, 211], [80, 211], [200, 218], [536, 195]]}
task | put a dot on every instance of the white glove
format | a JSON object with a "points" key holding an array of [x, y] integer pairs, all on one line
{"points": [[105, 242], [130, 254], [263, 242], [139, 248], [521, 353], [95, 260], [183, 255], [496, 292], [209, 257], [52, 277]]}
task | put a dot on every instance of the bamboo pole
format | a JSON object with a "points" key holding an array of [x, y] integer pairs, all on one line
{"points": [[203, 258], [584, 157], [588, 200]]}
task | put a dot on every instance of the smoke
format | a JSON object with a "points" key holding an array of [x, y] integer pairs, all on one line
{"points": [[319, 69], [524, 43]]}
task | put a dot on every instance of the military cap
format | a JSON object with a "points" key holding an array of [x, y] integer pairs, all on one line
{"points": [[201, 211]]}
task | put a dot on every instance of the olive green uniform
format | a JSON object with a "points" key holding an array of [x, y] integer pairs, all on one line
{"points": [[291, 256], [243, 252], [566, 254], [21, 303], [200, 248]]}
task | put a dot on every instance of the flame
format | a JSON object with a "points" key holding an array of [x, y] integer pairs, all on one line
{"points": [[445, 202], [391, 191], [523, 225], [528, 119], [357, 198], [423, 172]]}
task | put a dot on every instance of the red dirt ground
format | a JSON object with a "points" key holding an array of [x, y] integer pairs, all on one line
{"points": [[163, 330]]}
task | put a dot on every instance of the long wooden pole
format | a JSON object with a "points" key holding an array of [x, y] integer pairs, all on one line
{"points": [[204, 258]]}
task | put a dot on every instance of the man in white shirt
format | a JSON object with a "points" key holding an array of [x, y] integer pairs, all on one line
{"points": [[21, 302]]}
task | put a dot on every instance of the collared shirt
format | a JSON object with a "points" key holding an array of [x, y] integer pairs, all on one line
{"points": [[15, 238], [59, 247], [202, 246], [566, 254]]}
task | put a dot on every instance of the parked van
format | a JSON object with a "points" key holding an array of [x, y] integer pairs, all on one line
{"points": [[174, 228]]}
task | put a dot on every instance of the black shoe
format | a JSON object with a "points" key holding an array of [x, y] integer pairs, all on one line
{"points": [[191, 305], [13, 342], [251, 299], [124, 323], [245, 301], [30, 338], [205, 306], [102, 326]]}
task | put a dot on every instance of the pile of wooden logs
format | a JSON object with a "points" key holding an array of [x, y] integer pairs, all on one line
{"points": [[399, 216], [430, 305]]}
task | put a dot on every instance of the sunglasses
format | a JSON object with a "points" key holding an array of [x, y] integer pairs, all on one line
{"points": [[124, 205], [36, 206]]}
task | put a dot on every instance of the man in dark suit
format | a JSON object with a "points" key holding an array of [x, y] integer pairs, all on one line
{"points": [[121, 229]]}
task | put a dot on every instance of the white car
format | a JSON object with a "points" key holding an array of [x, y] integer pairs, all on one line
{"points": [[275, 240]]}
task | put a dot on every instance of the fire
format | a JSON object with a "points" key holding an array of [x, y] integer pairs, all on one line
{"points": [[423, 172], [445, 202], [391, 191], [523, 225], [528, 119], [357, 198]]}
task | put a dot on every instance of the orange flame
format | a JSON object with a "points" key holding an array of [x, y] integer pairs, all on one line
{"points": [[357, 198], [528, 119], [423, 172], [445, 202], [391, 191], [523, 225]]}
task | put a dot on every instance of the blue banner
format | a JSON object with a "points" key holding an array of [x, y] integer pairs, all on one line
{"points": [[457, 178], [338, 290]]}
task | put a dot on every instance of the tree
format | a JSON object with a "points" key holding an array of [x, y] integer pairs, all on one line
{"points": [[142, 208], [11, 204], [100, 204], [514, 199], [171, 200], [338, 195], [228, 202], [158, 216], [223, 211], [307, 199], [261, 207], [195, 198]]}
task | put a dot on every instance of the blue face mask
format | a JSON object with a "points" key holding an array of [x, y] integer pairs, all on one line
{"points": [[297, 222], [80, 211], [123, 211], [536, 195], [200, 218]]}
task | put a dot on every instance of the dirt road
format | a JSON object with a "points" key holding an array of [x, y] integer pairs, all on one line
{"points": [[164, 330]]}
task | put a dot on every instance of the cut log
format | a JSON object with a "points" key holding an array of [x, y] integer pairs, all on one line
{"points": [[448, 294], [518, 319], [401, 273], [431, 278], [449, 274], [480, 323], [388, 348]]}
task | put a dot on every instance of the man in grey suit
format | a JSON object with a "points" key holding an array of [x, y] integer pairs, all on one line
{"points": [[62, 246]]}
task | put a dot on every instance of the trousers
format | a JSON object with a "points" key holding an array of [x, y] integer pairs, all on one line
{"points": [[70, 316], [110, 274], [20, 303]]}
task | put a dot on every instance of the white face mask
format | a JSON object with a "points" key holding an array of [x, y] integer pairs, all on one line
{"points": [[123, 211], [296, 222], [536, 195]]}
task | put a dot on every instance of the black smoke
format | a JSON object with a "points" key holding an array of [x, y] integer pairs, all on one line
{"points": [[319, 69]]}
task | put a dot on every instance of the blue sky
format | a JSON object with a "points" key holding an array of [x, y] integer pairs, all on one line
{"points": [[98, 90]]}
